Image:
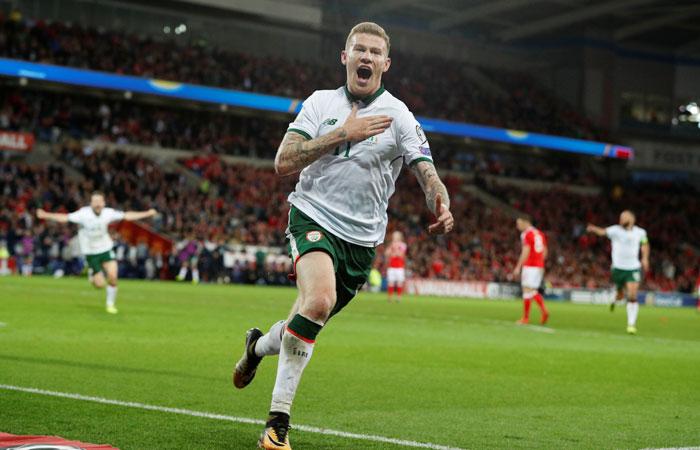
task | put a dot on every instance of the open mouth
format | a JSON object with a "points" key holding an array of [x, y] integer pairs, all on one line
{"points": [[364, 73]]}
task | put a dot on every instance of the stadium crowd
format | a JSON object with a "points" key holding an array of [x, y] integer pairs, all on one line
{"points": [[431, 86], [217, 227], [581, 259], [230, 226], [53, 116], [239, 206]]}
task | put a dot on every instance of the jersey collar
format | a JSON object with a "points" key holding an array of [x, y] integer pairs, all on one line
{"points": [[365, 100]]}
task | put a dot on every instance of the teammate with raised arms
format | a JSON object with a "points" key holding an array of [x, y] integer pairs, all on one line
{"points": [[95, 243]]}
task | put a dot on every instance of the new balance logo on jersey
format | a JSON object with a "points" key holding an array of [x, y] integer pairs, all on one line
{"points": [[329, 122], [421, 134]]}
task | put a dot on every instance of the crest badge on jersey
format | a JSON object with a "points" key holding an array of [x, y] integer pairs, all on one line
{"points": [[314, 236]]}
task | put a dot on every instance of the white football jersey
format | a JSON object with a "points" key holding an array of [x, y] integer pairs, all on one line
{"points": [[625, 246], [347, 191], [93, 233]]}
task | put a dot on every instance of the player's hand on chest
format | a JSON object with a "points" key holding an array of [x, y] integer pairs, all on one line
{"points": [[382, 145]]}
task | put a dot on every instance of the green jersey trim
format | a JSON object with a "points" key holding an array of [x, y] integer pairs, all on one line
{"points": [[302, 132], [366, 100], [417, 160]]}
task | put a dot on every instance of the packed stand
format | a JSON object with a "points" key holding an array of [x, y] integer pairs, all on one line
{"points": [[581, 259], [52, 116], [217, 227], [483, 246], [552, 167], [203, 222], [241, 206], [431, 86], [478, 248], [30, 243]]}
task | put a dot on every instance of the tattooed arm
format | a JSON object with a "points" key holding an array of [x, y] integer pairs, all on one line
{"points": [[436, 197], [295, 152]]}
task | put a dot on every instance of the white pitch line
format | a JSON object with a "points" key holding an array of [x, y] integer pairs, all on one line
{"points": [[206, 415], [674, 448], [539, 329]]}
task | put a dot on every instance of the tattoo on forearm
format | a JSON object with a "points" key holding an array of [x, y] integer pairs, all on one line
{"points": [[295, 153], [431, 185]]}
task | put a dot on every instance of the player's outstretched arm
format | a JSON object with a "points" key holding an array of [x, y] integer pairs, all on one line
{"points": [[138, 215], [295, 152], [436, 197], [596, 230], [55, 217]]}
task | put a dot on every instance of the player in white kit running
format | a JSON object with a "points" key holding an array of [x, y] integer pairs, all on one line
{"points": [[95, 243], [350, 144], [627, 240]]}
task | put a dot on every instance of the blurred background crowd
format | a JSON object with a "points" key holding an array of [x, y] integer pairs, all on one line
{"points": [[226, 217]]}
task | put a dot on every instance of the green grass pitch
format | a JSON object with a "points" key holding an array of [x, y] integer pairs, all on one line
{"points": [[453, 372]]}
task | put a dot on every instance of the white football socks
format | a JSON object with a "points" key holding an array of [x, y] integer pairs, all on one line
{"points": [[269, 344], [111, 295], [195, 276], [632, 311], [294, 356]]}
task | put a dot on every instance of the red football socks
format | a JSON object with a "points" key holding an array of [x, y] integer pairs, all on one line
{"points": [[540, 302], [526, 308]]}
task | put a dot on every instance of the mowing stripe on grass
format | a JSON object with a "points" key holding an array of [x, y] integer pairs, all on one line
{"points": [[206, 415], [674, 448]]}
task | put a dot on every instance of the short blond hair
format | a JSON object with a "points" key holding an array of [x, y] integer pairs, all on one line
{"points": [[369, 28]]}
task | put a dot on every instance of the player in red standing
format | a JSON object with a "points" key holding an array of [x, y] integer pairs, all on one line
{"points": [[530, 267], [396, 272]]}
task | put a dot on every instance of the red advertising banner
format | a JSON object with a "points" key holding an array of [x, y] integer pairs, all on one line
{"points": [[20, 142]]}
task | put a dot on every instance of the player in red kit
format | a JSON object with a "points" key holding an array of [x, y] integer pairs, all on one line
{"points": [[396, 272], [530, 267]]}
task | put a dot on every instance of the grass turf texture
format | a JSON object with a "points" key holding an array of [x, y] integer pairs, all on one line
{"points": [[447, 371]]}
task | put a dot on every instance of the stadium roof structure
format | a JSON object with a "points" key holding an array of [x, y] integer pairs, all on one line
{"points": [[660, 24], [666, 25]]}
